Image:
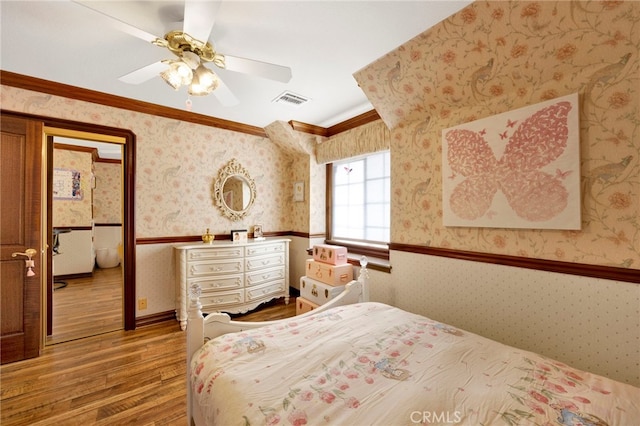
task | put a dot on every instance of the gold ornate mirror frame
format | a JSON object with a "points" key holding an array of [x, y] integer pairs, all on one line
{"points": [[234, 191]]}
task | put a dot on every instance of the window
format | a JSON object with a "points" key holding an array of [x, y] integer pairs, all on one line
{"points": [[360, 201]]}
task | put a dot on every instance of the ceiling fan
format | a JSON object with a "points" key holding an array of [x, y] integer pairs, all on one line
{"points": [[192, 51]]}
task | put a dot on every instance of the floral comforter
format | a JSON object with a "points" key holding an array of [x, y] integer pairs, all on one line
{"points": [[373, 364]]}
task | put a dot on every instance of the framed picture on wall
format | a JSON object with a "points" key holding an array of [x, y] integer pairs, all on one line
{"points": [[298, 191], [67, 185], [239, 235], [541, 187]]}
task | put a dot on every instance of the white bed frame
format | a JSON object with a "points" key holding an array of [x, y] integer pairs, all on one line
{"points": [[201, 329]]}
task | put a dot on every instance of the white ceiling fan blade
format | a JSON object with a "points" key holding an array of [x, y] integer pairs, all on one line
{"points": [[199, 17], [136, 32], [143, 74], [224, 95], [258, 68], [117, 23]]}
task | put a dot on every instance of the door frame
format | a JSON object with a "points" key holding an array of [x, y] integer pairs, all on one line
{"points": [[89, 130]]}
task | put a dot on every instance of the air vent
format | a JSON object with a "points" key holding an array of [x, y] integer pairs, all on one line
{"points": [[290, 98]]}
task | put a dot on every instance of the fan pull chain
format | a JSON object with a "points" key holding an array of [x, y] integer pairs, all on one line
{"points": [[188, 104]]}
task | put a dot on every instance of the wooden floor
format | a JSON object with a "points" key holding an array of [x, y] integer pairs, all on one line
{"points": [[88, 306], [118, 378]]}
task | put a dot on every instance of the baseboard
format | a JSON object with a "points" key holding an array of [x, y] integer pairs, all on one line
{"points": [[72, 276], [155, 318]]}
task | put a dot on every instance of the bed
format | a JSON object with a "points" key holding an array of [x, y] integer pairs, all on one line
{"points": [[356, 362]]}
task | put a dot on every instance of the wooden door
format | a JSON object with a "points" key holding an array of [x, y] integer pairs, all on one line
{"points": [[21, 229]]}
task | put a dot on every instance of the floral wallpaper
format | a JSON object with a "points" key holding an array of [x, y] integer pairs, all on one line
{"points": [[307, 216], [73, 212], [176, 165], [107, 197], [496, 56]]}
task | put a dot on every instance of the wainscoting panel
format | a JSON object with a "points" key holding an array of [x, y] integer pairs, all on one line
{"points": [[590, 323]]}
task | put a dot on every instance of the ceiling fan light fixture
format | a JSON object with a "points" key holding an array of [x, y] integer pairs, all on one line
{"points": [[204, 81], [191, 59], [178, 74]]}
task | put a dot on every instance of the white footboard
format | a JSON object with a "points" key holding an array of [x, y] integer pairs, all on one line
{"points": [[201, 329]]}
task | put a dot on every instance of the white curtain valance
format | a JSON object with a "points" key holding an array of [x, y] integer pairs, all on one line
{"points": [[366, 139]]}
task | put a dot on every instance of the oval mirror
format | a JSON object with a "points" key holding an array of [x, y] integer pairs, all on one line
{"points": [[234, 191]]}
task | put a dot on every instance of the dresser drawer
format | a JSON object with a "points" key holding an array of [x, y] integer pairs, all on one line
{"points": [[233, 277], [221, 267], [217, 253], [262, 262], [218, 300], [261, 249], [258, 292], [218, 282], [263, 276]]}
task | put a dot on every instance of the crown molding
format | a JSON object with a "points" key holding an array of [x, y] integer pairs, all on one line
{"points": [[327, 132], [20, 81], [308, 128], [352, 123], [25, 82]]}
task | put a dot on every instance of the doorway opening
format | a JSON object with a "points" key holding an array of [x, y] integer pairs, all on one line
{"points": [[90, 283]]}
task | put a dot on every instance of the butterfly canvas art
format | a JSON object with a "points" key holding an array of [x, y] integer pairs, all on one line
{"points": [[519, 169]]}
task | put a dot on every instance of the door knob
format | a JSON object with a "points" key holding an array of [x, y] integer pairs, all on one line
{"points": [[29, 253]]}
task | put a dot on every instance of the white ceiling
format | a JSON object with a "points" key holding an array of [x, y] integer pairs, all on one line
{"points": [[106, 150], [323, 42]]}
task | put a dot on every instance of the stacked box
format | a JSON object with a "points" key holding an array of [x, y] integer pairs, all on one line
{"points": [[333, 255], [326, 275], [329, 274], [318, 292], [303, 305]]}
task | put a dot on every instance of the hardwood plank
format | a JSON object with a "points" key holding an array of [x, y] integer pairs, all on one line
{"points": [[72, 382], [117, 378], [272, 310], [88, 306]]}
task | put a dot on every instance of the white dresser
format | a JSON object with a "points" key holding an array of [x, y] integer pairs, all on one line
{"points": [[234, 277]]}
